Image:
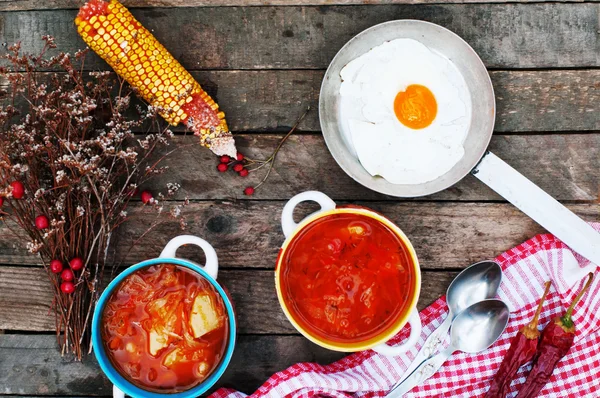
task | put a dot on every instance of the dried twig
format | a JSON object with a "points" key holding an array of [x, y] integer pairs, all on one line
{"points": [[68, 141]]}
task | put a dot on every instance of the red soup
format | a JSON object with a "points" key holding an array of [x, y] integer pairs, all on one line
{"points": [[165, 328], [347, 277]]}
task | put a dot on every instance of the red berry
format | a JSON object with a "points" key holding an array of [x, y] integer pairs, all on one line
{"points": [[249, 191], [41, 222], [239, 157], [222, 167], [244, 172], [67, 275], [1, 201], [238, 167], [146, 197], [76, 264], [67, 287], [18, 190], [225, 159], [56, 266]]}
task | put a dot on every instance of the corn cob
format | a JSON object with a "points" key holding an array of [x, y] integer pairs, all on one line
{"points": [[133, 52]]}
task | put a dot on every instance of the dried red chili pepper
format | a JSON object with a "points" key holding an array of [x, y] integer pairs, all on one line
{"points": [[522, 350], [557, 339]]}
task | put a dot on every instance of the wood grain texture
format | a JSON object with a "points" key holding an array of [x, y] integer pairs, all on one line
{"points": [[23, 5], [31, 365], [253, 293], [527, 101], [247, 234], [504, 35], [566, 166]]}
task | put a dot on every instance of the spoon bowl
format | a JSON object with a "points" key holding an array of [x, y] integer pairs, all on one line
{"points": [[479, 326], [478, 282], [475, 283], [473, 330]]}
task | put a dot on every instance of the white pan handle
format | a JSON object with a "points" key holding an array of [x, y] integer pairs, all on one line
{"points": [[541, 207], [287, 215]]}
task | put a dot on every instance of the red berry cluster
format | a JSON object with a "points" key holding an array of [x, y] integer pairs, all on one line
{"points": [[67, 275], [18, 192], [238, 165]]}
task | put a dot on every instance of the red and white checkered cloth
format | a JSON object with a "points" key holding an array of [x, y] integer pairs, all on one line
{"points": [[526, 268]]}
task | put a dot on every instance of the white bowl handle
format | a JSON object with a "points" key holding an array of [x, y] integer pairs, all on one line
{"points": [[118, 393], [287, 216], [212, 263], [415, 332]]}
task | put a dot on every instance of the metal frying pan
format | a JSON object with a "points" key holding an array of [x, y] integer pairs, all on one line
{"points": [[483, 164]]}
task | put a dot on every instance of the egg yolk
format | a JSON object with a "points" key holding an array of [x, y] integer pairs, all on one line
{"points": [[415, 107]]}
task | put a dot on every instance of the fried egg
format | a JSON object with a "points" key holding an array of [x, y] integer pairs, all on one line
{"points": [[407, 109]]}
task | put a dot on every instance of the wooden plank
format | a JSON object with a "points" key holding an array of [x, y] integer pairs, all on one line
{"points": [[31, 365], [555, 100], [253, 292], [247, 234], [537, 101], [504, 35], [23, 5], [564, 165]]}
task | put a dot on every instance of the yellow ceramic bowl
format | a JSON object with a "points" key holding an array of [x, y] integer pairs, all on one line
{"points": [[409, 315]]}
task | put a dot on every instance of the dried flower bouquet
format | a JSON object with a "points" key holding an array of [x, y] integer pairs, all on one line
{"points": [[69, 166]]}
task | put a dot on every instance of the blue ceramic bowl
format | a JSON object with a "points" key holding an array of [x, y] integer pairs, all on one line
{"points": [[209, 272]]}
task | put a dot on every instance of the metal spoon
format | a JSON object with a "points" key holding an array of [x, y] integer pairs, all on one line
{"points": [[475, 283], [473, 330]]}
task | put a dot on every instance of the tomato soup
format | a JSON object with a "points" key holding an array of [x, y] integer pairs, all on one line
{"points": [[165, 328], [347, 278]]}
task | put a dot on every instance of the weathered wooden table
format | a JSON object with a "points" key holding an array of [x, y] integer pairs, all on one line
{"points": [[263, 60]]}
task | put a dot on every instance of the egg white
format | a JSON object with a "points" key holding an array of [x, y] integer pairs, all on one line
{"points": [[386, 147]]}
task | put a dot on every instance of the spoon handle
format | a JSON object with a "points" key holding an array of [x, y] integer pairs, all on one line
{"points": [[429, 348], [423, 372]]}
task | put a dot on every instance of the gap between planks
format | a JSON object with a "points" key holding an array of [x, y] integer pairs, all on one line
{"points": [[28, 5], [28, 309], [32, 365], [504, 35], [527, 101], [567, 169], [445, 235]]}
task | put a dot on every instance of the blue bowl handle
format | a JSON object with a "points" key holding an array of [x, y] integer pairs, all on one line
{"points": [[212, 263]]}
